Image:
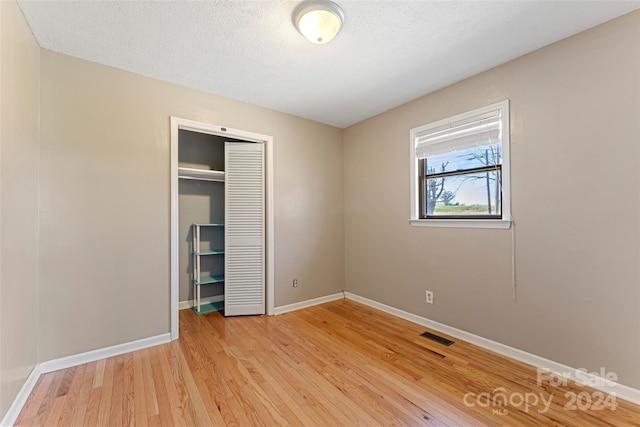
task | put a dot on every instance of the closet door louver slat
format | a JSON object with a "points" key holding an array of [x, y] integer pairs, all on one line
{"points": [[244, 229]]}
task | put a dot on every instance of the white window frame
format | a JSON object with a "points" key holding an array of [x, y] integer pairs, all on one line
{"points": [[505, 221]]}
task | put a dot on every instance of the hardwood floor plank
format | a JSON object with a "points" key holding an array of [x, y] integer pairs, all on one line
{"points": [[53, 419], [66, 416], [336, 364], [98, 377], [202, 365], [91, 415], [200, 415], [107, 392], [44, 406], [173, 388], [65, 382], [80, 406], [149, 387], [165, 414], [117, 393], [128, 401], [139, 393]]}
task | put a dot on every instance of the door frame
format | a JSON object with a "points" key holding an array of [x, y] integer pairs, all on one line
{"points": [[177, 124]]}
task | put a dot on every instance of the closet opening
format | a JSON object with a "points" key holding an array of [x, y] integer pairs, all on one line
{"points": [[221, 221]]}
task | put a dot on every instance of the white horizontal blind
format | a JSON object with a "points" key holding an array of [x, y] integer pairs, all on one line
{"points": [[244, 229], [478, 131]]}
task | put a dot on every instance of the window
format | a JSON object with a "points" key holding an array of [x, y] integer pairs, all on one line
{"points": [[460, 170]]}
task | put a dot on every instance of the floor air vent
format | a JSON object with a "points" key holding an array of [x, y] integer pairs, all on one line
{"points": [[436, 338]]}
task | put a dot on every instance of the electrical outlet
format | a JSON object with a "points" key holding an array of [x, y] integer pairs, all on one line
{"points": [[295, 283], [430, 297]]}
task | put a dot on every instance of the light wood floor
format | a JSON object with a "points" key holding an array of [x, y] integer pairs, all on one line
{"points": [[337, 364]]}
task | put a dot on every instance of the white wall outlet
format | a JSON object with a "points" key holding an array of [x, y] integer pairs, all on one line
{"points": [[430, 297], [295, 283]]}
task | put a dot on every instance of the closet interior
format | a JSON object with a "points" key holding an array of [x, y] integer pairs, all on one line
{"points": [[221, 223]]}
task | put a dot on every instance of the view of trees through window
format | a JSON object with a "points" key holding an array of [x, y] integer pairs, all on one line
{"points": [[464, 183]]}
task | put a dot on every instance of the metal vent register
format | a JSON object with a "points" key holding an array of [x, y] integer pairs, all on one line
{"points": [[436, 338]]}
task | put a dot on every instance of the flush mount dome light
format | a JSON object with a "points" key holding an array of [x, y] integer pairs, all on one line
{"points": [[318, 20]]}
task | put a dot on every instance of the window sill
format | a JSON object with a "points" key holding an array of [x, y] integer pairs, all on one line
{"points": [[502, 224]]}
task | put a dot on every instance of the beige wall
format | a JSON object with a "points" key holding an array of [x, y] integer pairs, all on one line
{"points": [[19, 117], [575, 126], [104, 228]]}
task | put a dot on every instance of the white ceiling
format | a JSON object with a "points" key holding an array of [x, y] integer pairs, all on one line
{"points": [[388, 53]]}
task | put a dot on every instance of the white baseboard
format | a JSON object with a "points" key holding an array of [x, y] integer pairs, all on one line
{"points": [[577, 375], [308, 303], [189, 303], [14, 410], [74, 360], [102, 353]]}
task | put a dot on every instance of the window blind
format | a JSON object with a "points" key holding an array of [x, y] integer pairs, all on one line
{"points": [[478, 131]]}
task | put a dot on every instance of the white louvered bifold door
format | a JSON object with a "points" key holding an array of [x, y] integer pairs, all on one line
{"points": [[244, 238]]}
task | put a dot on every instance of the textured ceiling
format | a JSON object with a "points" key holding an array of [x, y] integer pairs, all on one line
{"points": [[388, 53]]}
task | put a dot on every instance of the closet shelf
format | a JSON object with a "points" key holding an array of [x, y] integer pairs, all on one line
{"points": [[209, 307], [214, 252], [200, 174], [207, 280]]}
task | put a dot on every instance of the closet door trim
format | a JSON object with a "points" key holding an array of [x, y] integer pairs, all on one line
{"points": [[177, 124]]}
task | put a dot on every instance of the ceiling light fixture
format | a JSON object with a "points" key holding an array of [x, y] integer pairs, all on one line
{"points": [[318, 20]]}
